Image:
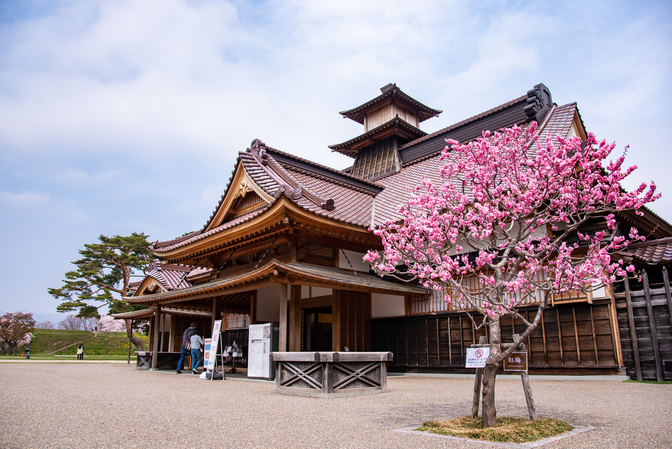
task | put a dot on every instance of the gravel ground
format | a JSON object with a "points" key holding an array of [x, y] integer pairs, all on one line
{"points": [[116, 406]]}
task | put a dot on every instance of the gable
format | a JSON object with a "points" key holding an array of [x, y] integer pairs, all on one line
{"points": [[150, 286], [242, 196]]}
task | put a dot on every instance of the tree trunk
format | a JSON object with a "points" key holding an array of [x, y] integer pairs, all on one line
{"points": [[490, 375], [139, 345]]}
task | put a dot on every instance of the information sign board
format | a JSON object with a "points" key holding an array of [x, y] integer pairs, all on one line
{"points": [[516, 361], [206, 352], [214, 344], [476, 357]]}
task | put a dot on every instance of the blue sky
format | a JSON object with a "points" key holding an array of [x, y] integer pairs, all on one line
{"points": [[126, 116]]}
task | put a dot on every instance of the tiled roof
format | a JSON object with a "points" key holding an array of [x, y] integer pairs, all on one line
{"points": [[170, 276], [652, 252], [202, 235], [311, 274], [391, 90], [310, 185]]}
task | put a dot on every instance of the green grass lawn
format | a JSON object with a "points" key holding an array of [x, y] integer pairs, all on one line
{"points": [[68, 358], [105, 343], [63, 343], [47, 341]]}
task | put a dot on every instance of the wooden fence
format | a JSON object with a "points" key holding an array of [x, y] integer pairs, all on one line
{"points": [[571, 338], [645, 322]]}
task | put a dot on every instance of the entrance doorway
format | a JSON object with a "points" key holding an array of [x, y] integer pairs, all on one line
{"points": [[318, 329]]}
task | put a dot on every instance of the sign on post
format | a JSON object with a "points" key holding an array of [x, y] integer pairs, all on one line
{"points": [[516, 361], [214, 344], [476, 357], [206, 352]]}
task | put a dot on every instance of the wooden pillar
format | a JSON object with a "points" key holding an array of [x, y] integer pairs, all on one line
{"points": [[295, 318], [666, 279], [633, 331], [615, 331], [216, 311], [336, 315], [282, 346], [162, 322], [157, 325], [150, 343], [654, 330], [171, 339], [253, 308]]}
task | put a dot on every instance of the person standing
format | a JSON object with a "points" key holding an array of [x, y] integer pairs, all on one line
{"points": [[196, 342], [186, 345], [80, 352]]}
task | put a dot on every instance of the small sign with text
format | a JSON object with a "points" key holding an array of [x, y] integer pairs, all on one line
{"points": [[476, 357], [516, 361]]}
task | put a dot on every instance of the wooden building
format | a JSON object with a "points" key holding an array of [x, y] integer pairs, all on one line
{"points": [[286, 240]]}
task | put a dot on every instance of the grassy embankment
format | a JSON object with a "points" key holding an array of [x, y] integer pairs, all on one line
{"points": [[62, 344]]}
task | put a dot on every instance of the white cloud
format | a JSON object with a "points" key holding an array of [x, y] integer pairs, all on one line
{"points": [[27, 199]]}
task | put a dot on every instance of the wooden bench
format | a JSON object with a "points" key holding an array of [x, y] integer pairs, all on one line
{"points": [[165, 361]]}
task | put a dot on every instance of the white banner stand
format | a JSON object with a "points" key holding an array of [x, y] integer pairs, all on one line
{"points": [[215, 347]]}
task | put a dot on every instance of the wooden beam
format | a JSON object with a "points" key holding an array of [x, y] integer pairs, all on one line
{"points": [[562, 353], [576, 336], [615, 332], [666, 279], [282, 347], [592, 328], [337, 319], [253, 308], [633, 331], [295, 318], [654, 329]]}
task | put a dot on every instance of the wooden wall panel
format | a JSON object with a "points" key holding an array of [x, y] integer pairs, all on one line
{"points": [[352, 318], [440, 341], [650, 312]]}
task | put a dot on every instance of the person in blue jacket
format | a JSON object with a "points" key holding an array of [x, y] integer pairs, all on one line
{"points": [[186, 342]]}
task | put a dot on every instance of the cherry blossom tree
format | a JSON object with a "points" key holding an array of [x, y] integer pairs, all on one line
{"points": [[110, 324], [15, 329], [511, 210]]}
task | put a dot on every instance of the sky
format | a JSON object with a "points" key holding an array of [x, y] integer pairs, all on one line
{"points": [[127, 116]]}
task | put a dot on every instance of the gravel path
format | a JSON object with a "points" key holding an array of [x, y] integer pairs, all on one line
{"points": [[116, 406]]}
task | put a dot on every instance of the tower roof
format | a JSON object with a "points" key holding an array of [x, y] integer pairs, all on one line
{"points": [[391, 91]]}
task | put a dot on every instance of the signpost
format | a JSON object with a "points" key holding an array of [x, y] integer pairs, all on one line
{"points": [[477, 356], [215, 344], [517, 361]]}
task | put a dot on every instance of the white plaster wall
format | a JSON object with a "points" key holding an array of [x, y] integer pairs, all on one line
{"points": [[314, 292], [268, 304], [383, 306], [166, 322], [355, 259]]}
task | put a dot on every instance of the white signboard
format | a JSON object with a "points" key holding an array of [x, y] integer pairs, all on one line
{"points": [[206, 352], [476, 357], [259, 348], [214, 344]]}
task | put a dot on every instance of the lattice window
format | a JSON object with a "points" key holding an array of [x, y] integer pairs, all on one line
{"points": [[377, 160], [237, 321], [437, 304]]}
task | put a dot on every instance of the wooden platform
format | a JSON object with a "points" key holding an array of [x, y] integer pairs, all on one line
{"points": [[331, 374]]}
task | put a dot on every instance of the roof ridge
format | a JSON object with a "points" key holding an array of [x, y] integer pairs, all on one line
{"points": [[328, 179], [464, 122], [316, 164]]}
